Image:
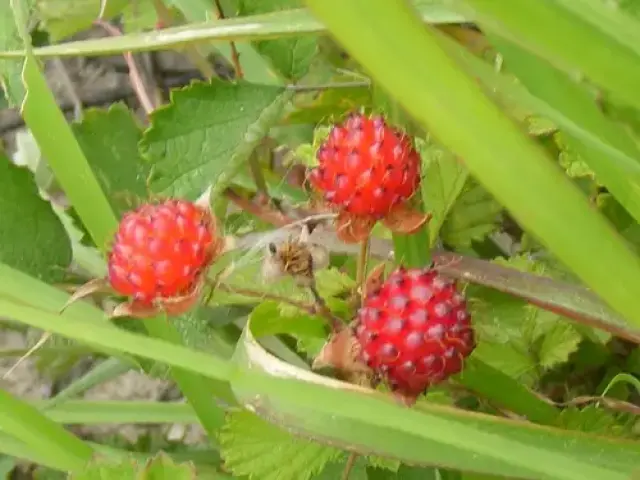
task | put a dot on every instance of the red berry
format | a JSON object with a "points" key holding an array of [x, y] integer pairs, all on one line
{"points": [[160, 251], [366, 167], [415, 330]]}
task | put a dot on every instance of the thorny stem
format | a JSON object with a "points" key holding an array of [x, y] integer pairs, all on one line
{"points": [[198, 59], [134, 72], [235, 56], [349, 466]]}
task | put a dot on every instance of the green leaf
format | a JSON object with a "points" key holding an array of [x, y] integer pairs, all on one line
{"points": [[32, 238], [291, 57], [207, 132], [162, 467], [560, 341], [443, 178], [329, 104], [102, 470], [596, 420], [518, 338], [253, 447], [63, 18], [474, 215], [268, 319], [139, 16], [109, 140], [10, 70]]}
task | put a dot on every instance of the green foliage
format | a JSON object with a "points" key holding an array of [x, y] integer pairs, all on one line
{"points": [[63, 18], [597, 420], [474, 215], [10, 80], [444, 178], [517, 338], [207, 132], [486, 129], [109, 140], [161, 467], [28, 224], [269, 319], [290, 57], [251, 446]]}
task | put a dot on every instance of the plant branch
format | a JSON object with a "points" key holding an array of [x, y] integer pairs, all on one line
{"points": [[235, 56], [351, 460], [134, 72], [263, 212]]}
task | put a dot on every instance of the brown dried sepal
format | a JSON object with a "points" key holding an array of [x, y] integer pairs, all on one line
{"points": [[353, 228], [342, 352], [405, 220], [173, 306], [375, 279]]}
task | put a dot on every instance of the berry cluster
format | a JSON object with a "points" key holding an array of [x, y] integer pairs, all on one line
{"points": [[414, 330], [160, 252], [368, 171]]}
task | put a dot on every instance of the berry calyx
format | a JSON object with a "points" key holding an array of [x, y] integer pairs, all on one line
{"points": [[414, 331], [367, 171], [160, 254], [366, 167]]}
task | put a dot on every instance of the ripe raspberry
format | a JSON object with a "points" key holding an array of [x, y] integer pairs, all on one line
{"points": [[366, 167], [414, 330], [161, 250]]}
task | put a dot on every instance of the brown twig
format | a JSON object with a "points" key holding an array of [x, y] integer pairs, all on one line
{"points": [[351, 461], [134, 73], [235, 56], [263, 212]]}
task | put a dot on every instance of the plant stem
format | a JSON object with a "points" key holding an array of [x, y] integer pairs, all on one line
{"points": [[351, 460], [361, 268], [134, 72], [235, 56], [258, 176]]}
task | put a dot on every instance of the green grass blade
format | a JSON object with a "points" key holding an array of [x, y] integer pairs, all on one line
{"points": [[497, 153], [82, 412], [492, 384], [572, 301], [45, 438], [375, 424], [15, 448], [251, 28], [567, 40], [433, 435], [63, 153], [103, 372], [108, 336]]}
